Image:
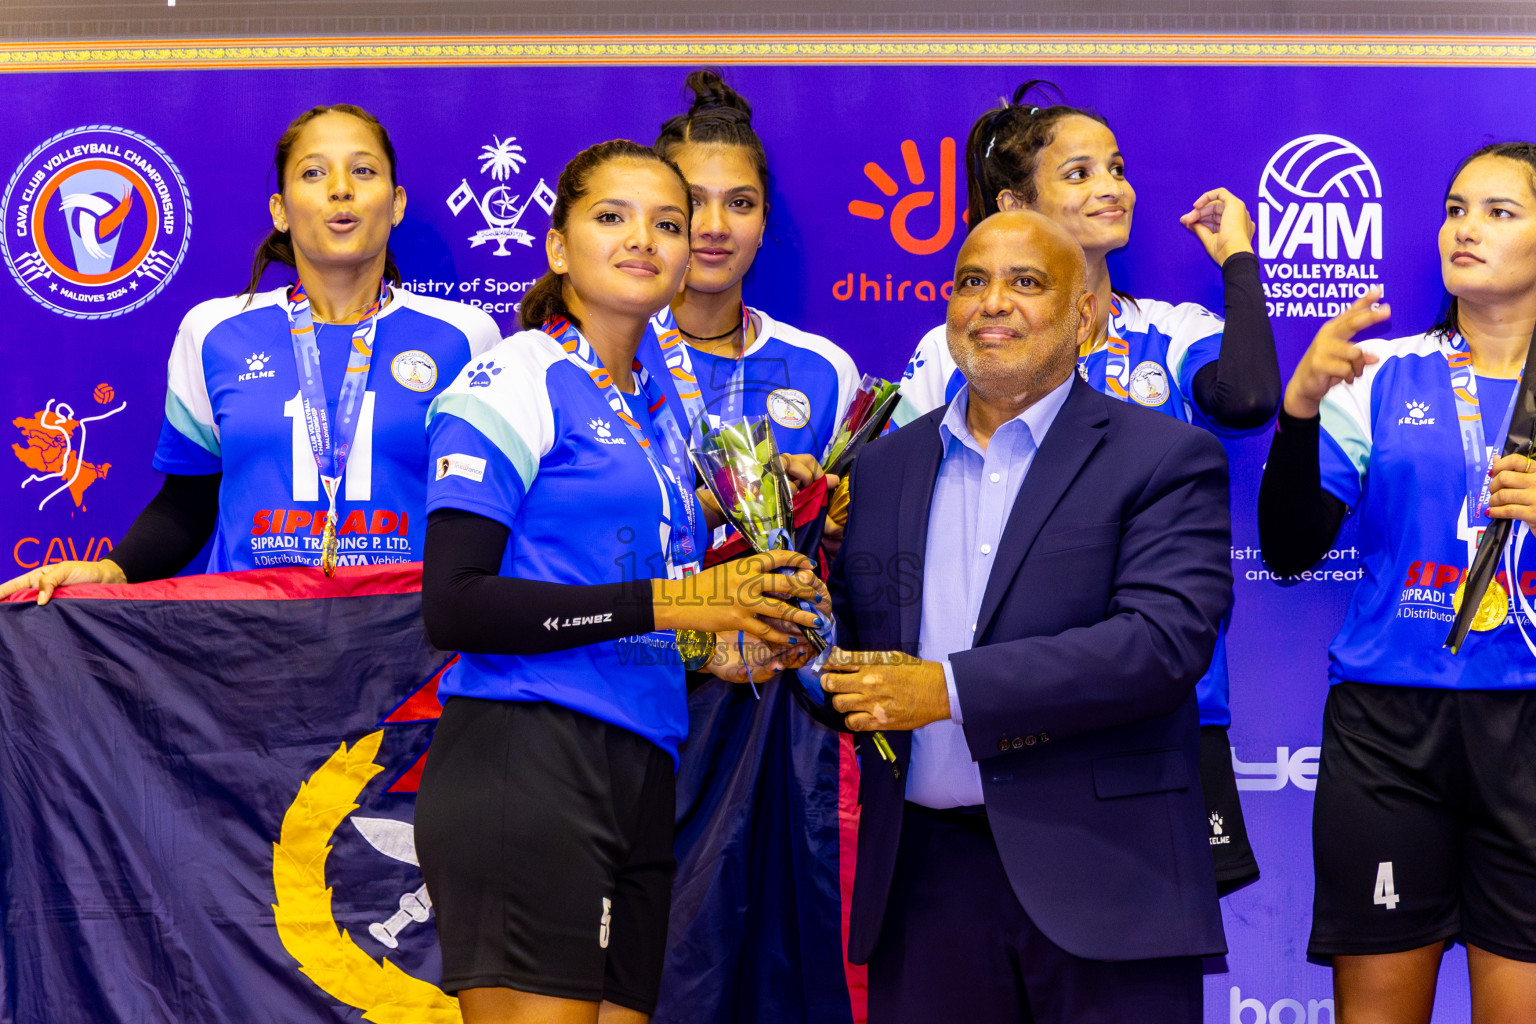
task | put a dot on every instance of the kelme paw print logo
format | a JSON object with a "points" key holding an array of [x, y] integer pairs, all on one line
{"points": [[916, 176], [601, 427], [480, 376], [1418, 410], [913, 365], [257, 361]]}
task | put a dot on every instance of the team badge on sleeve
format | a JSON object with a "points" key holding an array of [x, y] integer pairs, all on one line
{"points": [[97, 221], [1149, 384], [415, 370], [789, 408]]}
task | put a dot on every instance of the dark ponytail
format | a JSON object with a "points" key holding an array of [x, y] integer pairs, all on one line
{"points": [[547, 296], [1002, 152], [277, 247], [718, 115], [1448, 321]]}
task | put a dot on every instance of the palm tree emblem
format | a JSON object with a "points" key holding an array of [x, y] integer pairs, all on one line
{"points": [[502, 159]]}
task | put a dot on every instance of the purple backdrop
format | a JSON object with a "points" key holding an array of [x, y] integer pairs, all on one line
{"points": [[868, 278]]}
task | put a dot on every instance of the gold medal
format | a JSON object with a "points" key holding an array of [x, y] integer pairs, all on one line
{"points": [[696, 647], [329, 545], [1492, 610]]}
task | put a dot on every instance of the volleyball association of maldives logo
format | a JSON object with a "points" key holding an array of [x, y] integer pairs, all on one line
{"points": [[1320, 226], [97, 220]]}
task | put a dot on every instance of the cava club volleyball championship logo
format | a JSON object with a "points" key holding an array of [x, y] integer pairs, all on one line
{"points": [[97, 220]]}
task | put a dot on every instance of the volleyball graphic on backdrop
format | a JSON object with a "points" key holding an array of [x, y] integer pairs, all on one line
{"points": [[1318, 167]]}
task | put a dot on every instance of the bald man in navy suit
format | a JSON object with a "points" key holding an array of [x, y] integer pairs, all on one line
{"points": [[1028, 591]]}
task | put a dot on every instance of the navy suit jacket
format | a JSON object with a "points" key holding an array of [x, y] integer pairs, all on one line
{"points": [[1078, 697]]}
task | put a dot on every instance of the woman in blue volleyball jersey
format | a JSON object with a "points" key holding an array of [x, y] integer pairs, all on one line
{"points": [[743, 752], [1039, 154], [344, 345], [747, 363], [564, 541], [1424, 825]]}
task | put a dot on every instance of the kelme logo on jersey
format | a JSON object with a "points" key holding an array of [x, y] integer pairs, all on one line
{"points": [[256, 367], [1320, 226], [1417, 415], [480, 376], [1219, 836], [603, 431], [97, 221], [500, 207]]}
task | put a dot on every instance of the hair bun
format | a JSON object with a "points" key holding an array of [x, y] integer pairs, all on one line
{"points": [[1050, 94], [712, 95]]}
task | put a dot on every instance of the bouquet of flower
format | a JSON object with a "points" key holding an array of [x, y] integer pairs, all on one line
{"points": [[740, 465], [867, 415]]}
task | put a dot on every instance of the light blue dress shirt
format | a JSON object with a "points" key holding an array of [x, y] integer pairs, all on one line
{"points": [[972, 499]]}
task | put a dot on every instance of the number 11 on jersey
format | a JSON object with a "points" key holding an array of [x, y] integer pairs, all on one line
{"points": [[1386, 891], [306, 475]]}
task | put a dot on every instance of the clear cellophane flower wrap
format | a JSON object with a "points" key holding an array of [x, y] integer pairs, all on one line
{"points": [[740, 464], [741, 467], [867, 415]]}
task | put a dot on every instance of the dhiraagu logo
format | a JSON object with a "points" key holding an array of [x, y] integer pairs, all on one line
{"points": [[913, 193]]}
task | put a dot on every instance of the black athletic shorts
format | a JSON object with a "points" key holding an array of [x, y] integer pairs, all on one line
{"points": [[1227, 832], [545, 838], [1424, 824]]}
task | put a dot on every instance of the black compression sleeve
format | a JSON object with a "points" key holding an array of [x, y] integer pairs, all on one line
{"points": [[467, 606], [1298, 520], [1241, 389], [172, 529]]}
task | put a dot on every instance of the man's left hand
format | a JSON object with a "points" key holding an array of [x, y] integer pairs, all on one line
{"points": [[885, 689]]}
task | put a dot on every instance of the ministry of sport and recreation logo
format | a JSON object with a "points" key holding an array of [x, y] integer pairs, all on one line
{"points": [[500, 207], [1320, 226], [97, 220]]}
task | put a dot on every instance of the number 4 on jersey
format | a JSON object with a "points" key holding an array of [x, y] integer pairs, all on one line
{"points": [[1386, 892]]}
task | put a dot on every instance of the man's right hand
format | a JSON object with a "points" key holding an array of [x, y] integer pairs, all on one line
{"points": [[743, 595], [1333, 356], [63, 574]]}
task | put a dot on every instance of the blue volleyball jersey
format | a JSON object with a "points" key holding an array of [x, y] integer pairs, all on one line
{"points": [[1390, 450], [525, 438], [1151, 356], [802, 382], [232, 406]]}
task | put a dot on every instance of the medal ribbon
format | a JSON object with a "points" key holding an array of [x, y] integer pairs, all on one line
{"points": [[672, 467], [675, 350], [1469, 422], [1117, 361], [331, 448], [1479, 583]]}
